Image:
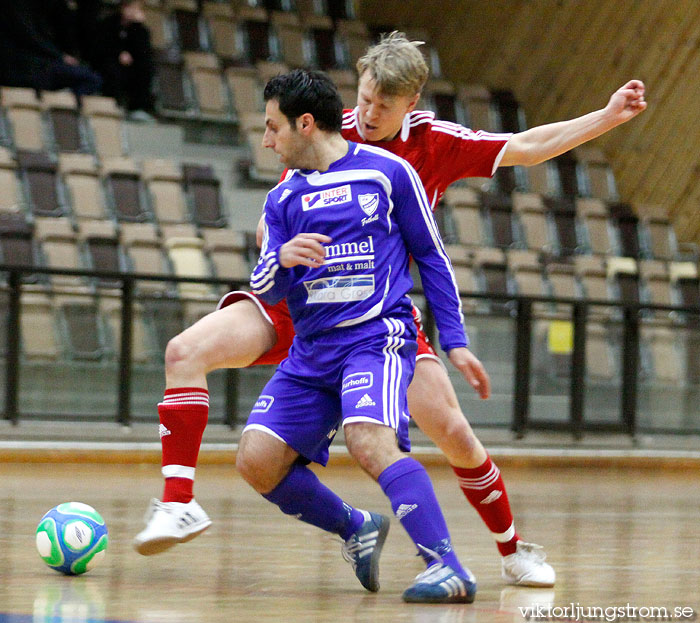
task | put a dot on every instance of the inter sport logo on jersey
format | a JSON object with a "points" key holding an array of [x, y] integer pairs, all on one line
{"points": [[326, 198]]}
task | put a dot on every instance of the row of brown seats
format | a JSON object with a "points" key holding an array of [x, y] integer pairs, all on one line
{"points": [[75, 185], [560, 226], [54, 122]]}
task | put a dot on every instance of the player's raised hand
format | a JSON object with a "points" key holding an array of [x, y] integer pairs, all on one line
{"points": [[304, 249], [472, 370], [628, 101]]}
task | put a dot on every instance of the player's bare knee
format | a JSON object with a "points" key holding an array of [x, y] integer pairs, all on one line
{"points": [[253, 470], [177, 353], [373, 446]]}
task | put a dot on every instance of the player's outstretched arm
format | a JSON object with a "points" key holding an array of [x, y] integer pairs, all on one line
{"points": [[547, 141], [472, 370]]}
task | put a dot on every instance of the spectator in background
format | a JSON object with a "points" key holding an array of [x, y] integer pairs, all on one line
{"points": [[124, 58], [37, 48]]}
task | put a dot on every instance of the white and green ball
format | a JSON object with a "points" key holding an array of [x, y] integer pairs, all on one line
{"points": [[72, 538]]}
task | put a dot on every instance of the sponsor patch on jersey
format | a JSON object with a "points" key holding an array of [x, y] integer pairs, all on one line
{"points": [[369, 203], [263, 404], [358, 380], [326, 198], [343, 289]]}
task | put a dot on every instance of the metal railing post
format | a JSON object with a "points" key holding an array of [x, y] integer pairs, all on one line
{"points": [[12, 363], [124, 375], [521, 392]]}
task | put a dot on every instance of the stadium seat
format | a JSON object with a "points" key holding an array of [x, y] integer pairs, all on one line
{"points": [[66, 128], [498, 210], [476, 101], [598, 174], [511, 114], [594, 216], [570, 175], [125, 192], [173, 97], [158, 25], [203, 190], [562, 215], [224, 37], [145, 255], [185, 249], [38, 330], [466, 214], [163, 179], [656, 284], [292, 38], [246, 90], [100, 242], [187, 29], [84, 190], [17, 244], [492, 275], [10, 191], [142, 347], [544, 179], [210, 89], [42, 187], [624, 276], [82, 328], [105, 123], [354, 35], [626, 224], [530, 209], [23, 113], [58, 246], [264, 165], [227, 253]]}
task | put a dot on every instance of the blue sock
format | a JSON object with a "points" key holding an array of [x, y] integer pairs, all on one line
{"points": [[408, 487], [302, 494]]}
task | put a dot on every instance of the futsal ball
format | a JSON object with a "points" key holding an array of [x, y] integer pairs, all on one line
{"points": [[71, 538]]}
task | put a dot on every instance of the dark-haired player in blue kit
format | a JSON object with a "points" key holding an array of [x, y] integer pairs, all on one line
{"points": [[338, 233]]}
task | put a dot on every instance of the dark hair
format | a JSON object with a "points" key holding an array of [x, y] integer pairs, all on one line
{"points": [[304, 91]]}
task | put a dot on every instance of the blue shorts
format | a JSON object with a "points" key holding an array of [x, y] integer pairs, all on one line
{"points": [[353, 374]]}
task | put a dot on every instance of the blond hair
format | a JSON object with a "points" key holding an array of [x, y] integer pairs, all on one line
{"points": [[395, 64]]}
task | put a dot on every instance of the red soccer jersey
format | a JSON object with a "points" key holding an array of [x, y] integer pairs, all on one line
{"points": [[440, 151]]}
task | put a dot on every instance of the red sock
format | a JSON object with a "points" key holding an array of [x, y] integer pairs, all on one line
{"points": [[484, 488], [183, 417]]}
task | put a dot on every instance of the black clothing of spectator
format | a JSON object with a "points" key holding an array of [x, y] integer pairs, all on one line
{"points": [[124, 58], [36, 46]]}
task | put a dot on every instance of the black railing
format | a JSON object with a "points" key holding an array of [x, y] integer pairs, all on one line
{"points": [[521, 310]]}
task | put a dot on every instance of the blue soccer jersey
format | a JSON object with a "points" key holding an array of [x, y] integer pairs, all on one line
{"points": [[373, 206]]}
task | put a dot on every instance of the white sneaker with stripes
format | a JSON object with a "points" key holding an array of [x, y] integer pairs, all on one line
{"points": [[440, 584], [526, 567], [170, 523]]}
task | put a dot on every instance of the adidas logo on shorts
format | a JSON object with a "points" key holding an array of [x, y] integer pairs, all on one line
{"points": [[365, 401]]}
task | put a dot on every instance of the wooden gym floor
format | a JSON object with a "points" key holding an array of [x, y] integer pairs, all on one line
{"points": [[616, 536]]}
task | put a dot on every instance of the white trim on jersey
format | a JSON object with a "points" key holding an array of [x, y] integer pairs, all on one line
{"points": [[373, 312], [352, 175], [425, 211]]}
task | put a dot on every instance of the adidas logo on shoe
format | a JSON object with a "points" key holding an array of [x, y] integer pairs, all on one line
{"points": [[404, 509], [162, 431], [365, 401], [492, 497]]}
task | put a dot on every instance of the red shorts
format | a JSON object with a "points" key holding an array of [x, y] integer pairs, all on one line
{"points": [[278, 316]]}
